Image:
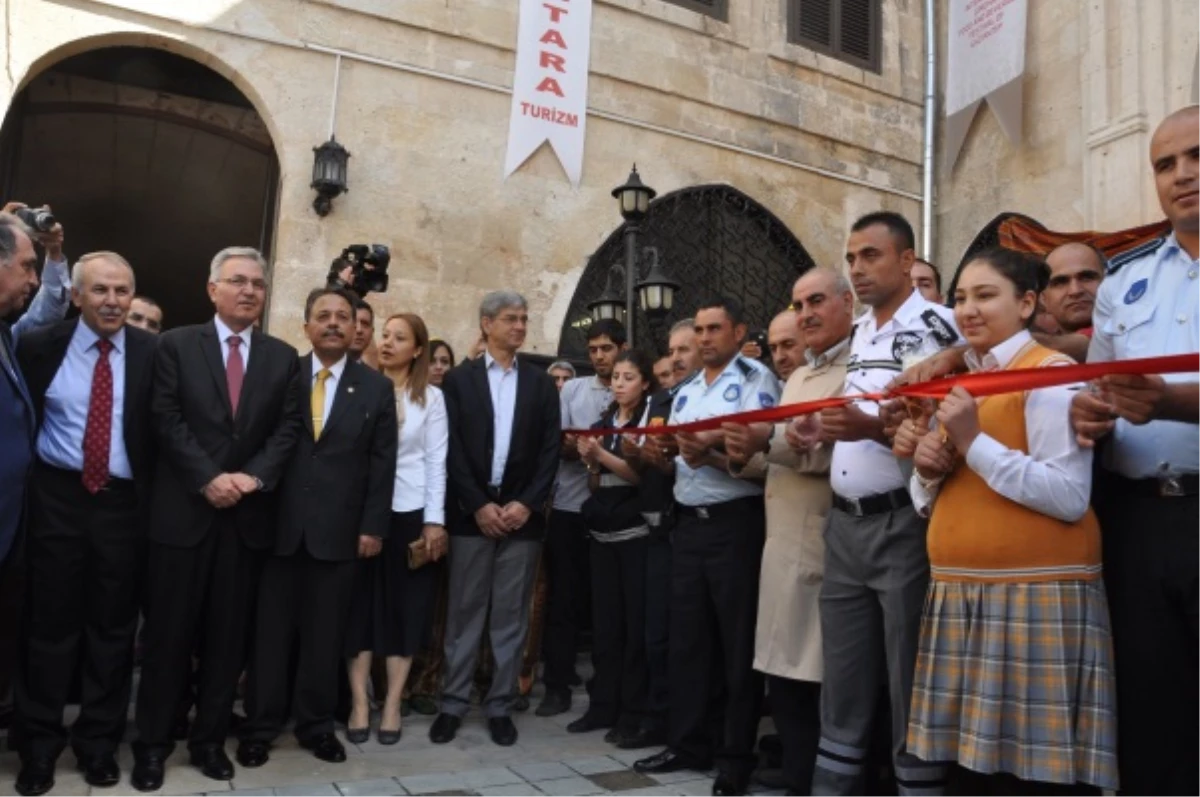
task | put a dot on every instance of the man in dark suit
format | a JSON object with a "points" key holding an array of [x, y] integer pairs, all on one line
{"points": [[504, 446], [335, 506], [90, 383], [226, 407]]}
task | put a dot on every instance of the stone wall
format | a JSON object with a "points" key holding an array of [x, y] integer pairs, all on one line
{"points": [[423, 108]]}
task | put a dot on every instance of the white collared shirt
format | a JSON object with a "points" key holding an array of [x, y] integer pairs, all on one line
{"points": [[865, 467], [331, 383], [224, 333], [1150, 308], [421, 457], [503, 386], [64, 422], [1055, 477], [582, 402]]}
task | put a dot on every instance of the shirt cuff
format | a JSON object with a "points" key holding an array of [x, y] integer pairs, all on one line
{"points": [[435, 516], [923, 493], [983, 454]]}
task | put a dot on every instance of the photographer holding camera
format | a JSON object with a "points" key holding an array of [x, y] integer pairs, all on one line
{"points": [[50, 303], [361, 269]]}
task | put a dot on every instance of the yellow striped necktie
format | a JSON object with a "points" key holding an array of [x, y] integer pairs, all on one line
{"points": [[318, 402]]}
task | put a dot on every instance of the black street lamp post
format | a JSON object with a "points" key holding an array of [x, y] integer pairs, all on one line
{"points": [[329, 174]]}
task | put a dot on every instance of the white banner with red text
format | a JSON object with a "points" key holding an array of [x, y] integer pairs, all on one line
{"points": [[550, 84]]}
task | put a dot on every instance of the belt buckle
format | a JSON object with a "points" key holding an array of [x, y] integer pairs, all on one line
{"points": [[703, 513], [855, 506], [1170, 487]]}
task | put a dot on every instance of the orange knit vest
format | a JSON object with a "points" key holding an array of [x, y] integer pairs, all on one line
{"points": [[976, 534]]}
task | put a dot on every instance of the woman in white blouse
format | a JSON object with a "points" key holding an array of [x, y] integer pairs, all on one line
{"points": [[392, 603]]}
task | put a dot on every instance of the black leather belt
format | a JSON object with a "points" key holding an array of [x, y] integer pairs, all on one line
{"points": [[873, 504], [737, 506], [1181, 486], [113, 485]]}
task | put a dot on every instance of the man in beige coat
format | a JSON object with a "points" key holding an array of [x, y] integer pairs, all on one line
{"points": [[788, 638]]}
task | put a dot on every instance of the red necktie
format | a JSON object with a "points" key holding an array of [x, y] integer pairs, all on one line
{"points": [[97, 435], [235, 372]]}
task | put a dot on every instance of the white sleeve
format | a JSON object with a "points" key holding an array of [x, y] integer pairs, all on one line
{"points": [[1101, 349], [437, 440], [50, 303], [1055, 477], [923, 495], [564, 405]]}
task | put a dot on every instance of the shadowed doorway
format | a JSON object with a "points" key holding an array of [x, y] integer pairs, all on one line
{"points": [[149, 154]]}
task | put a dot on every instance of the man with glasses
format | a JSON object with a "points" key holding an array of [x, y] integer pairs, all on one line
{"points": [[227, 410]]}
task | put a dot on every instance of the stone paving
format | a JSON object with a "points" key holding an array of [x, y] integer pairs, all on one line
{"points": [[546, 760]]}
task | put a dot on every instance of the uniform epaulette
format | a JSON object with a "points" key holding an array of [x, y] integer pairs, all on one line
{"points": [[675, 389], [1116, 263], [749, 371]]}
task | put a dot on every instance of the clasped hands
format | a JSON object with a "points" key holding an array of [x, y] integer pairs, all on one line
{"points": [[496, 521], [228, 488]]}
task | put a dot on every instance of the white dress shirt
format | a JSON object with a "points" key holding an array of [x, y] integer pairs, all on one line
{"points": [[503, 386], [1055, 477], [60, 440], [421, 456], [582, 401], [224, 333], [331, 383]]}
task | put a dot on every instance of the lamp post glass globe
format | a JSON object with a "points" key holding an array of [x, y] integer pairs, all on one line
{"points": [[329, 174], [633, 198]]}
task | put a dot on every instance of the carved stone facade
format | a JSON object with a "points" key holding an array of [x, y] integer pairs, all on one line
{"points": [[422, 106]]}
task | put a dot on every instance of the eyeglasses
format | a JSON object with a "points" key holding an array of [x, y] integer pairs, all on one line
{"points": [[240, 282]]}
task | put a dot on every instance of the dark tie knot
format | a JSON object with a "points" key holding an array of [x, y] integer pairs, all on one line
{"points": [[234, 341], [105, 346]]}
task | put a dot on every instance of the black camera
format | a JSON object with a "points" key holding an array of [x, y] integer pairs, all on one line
{"points": [[759, 337], [367, 266], [39, 219]]}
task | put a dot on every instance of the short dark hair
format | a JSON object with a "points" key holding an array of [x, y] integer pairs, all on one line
{"points": [[438, 343], [1025, 272], [731, 306], [360, 303], [897, 225], [937, 274], [143, 298], [317, 293], [611, 328]]}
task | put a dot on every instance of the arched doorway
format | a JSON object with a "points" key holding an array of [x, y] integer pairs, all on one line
{"points": [[147, 153], [711, 238]]}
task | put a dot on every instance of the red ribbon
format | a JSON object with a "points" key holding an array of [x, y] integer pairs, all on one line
{"points": [[990, 383]]}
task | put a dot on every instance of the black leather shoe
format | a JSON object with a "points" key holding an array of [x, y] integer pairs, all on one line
{"points": [[148, 771], [587, 723], [326, 747], [670, 761], [252, 753], [556, 701], [640, 739], [444, 728], [504, 733], [36, 776], [100, 770], [724, 784], [212, 762]]}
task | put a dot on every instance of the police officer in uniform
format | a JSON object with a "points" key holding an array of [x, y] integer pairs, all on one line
{"points": [[1146, 492], [876, 566], [717, 551]]}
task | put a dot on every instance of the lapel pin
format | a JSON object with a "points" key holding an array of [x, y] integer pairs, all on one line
{"points": [[349, 390]]}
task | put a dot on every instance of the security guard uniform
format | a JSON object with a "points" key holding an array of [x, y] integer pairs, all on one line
{"points": [[1146, 499], [876, 569], [717, 552]]}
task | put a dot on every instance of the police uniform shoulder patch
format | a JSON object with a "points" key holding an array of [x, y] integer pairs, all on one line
{"points": [[732, 393], [766, 400], [685, 381], [906, 343], [1116, 263], [1136, 291], [942, 332]]}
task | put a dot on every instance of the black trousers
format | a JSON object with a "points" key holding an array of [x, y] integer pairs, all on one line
{"points": [[1151, 551], [796, 709], [201, 601], [568, 600], [303, 605], [83, 559], [714, 606], [619, 689], [658, 615]]}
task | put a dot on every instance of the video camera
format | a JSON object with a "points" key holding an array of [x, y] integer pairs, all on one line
{"points": [[38, 219], [368, 266]]}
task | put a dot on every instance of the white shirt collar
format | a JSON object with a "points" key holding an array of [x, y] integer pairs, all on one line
{"points": [[335, 370], [87, 337], [223, 332], [488, 360], [905, 314], [1001, 354], [1171, 246]]}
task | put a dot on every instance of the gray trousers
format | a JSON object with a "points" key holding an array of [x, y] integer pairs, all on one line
{"points": [[876, 575], [483, 571]]}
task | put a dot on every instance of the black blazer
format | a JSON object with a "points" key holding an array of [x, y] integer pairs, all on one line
{"points": [[199, 438], [41, 354], [532, 457], [340, 487]]}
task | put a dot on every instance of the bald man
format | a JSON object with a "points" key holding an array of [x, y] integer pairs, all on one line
{"points": [[786, 344]]}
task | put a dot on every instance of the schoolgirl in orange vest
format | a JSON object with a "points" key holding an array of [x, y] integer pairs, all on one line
{"points": [[1014, 673]]}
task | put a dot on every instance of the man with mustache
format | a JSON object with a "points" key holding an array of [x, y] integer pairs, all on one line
{"points": [[90, 381], [347, 451], [787, 645]]}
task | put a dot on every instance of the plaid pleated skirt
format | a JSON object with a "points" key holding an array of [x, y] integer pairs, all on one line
{"points": [[1017, 678]]}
